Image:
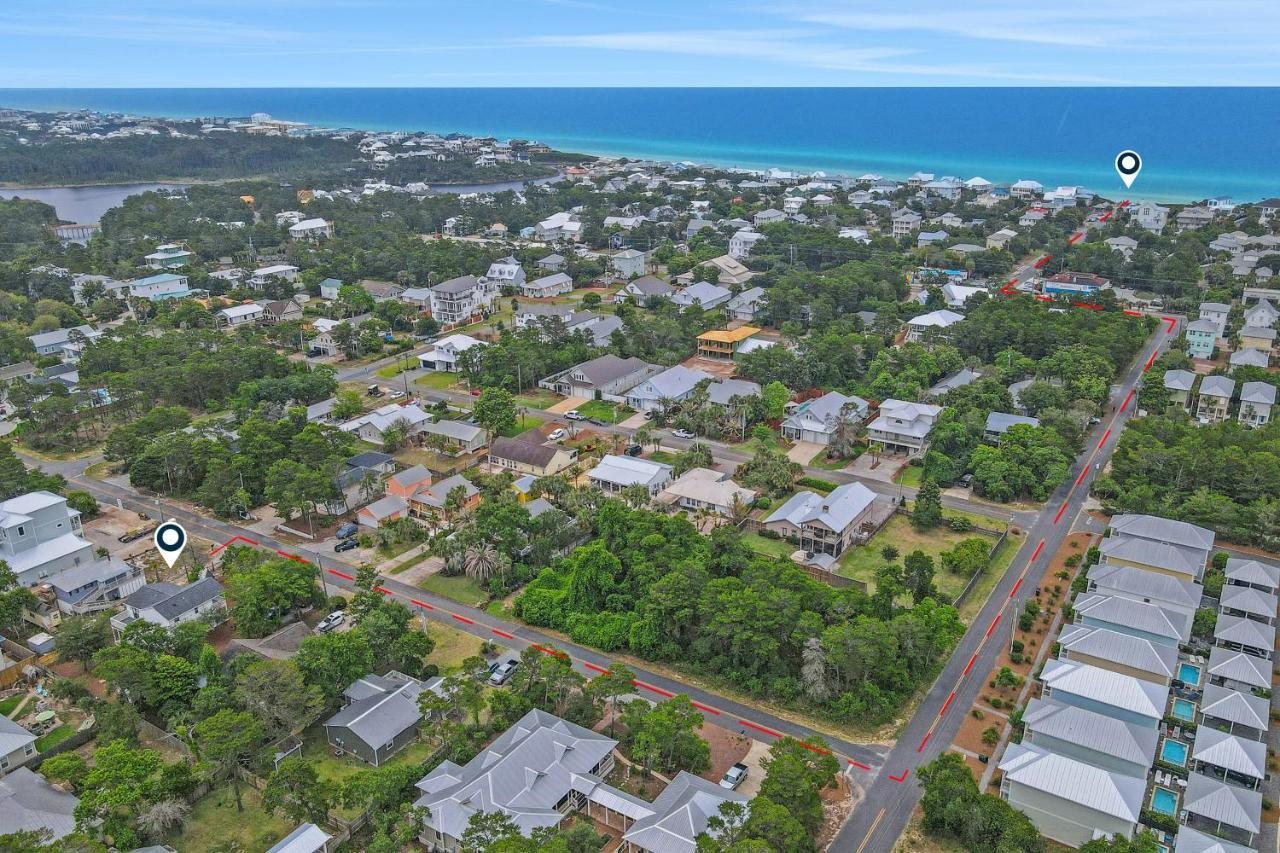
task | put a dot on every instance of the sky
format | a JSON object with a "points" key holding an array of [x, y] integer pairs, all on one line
{"points": [[289, 43]]}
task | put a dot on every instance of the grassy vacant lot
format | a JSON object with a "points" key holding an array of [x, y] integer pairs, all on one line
{"points": [[771, 547], [452, 646], [461, 589], [910, 475], [538, 398], [216, 825], [861, 561], [664, 456], [523, 422], [603, 410], [438, 380]]}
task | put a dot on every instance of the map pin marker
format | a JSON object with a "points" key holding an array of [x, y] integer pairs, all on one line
{"points": [[170, 539], [1128, 165]]}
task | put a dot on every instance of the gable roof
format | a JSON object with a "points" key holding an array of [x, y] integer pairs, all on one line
{"points": [[1163, 530], [680, 815], [461, 284], [525, 452], [1238, 666], [1253, 572], [29, 802], [13, 737], [1107, 687], [609, 368], [1091, 730], [629, 471], [171, 601], [1123, 649], [836, 511], [1179, 558], [307, 838], [1067, 779], [1193, 841], [1218, 801], [386, 709]]}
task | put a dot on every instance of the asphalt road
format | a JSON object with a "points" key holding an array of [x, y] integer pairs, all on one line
{"points": [[750, 721], [877, 822]]}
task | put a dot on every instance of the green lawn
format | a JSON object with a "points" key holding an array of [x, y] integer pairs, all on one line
{"points": [[538, 398], [523, 422], [55, 737], [393, 370], [438, 380], [911, 475], [8, 706], [779, 548], [461, 589], [331, 768], [861, 561], [999, 565], [453, 646], [603, 410], [664, 456], [217, 826]]}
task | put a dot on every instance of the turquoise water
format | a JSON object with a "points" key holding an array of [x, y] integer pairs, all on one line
{"points": [[1195, 142], [1184, 709], [1174, 752], [1189, 673], [1164, 801]]}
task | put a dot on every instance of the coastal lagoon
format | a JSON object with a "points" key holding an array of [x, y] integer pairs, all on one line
{"points": [[1195, 142], [84, 205]]}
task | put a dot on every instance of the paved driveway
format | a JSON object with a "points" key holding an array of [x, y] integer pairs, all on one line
{"points": [[567, 405], [804, 451]]}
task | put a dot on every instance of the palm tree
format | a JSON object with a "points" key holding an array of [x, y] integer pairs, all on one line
{"points": [[481, 561]]}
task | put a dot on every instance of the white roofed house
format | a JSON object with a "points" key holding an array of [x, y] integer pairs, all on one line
{"points": [[506, 274], [311, 229], [1248, 603], [167, 605], [702, 294], [680, 814], [1215, 399], [904, 222], [40, 536], [165, 285], [1262, 314], [1227, 811], [1026, 189], [1135, 618], [373, 426], [616, 473], [17, 745], [240, 315], [932, 323], [1001, 238], [1121, 697], [1256, 400], [1171, 593], [559, 226], [999, 423], [1179, 384], [305, 838], [706, 489], [95, 585], [1240, 633], [816, 420], [459, 299], [169, 256], [1233, 759], [29, 802], [742, 241], [1158, 545], [1253, 573], [1216, 313], [1234, 711], [627, 264], [1122, 653], [445, 354], [747, 304], [1069, 801], [64, 343], [672, 385], [824, 524], [1090, 737], [1149, 215], [644, 289], [262, 275], [903, 426], [546, 286], [1238, 670]]}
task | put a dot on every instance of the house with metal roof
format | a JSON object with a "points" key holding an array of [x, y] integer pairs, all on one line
{"points": [[1231, 758], [998, 423], [29, 803], [1221, 809], [1135, 618], [615, 473], [1256, 401], [903, 426], [604, 377], [167, 605], [458, 435], [823, 524], [1090, 737], [40, 535], [933, 322], [672, 385], [1122, 697], [703, 295], [1238, 670], [1179, 384], [1234, 711], [1194, 841], [445, 354], [816, 420], [553, 284], [1158, 545], [1254, 573], [307, 838], [1248, 602], [962, 377], [1250, 636], [1069, 801], [1168, 592], [96, 585], [17, 745], [380, 718], [680, 815], [373, 426], [1122, 653], [644, 290], [1215, 399]]}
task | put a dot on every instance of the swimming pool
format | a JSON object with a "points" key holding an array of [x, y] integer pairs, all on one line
{"points": [[1189, 673], [1174, 752], [1164, 801], [1184, 709]]}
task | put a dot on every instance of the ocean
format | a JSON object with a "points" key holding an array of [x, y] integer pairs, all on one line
{"points": [[1195, 142]]}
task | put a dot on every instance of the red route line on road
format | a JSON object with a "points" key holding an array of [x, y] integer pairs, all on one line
{"points": [[1083, 472], [901, 778], [545, 650], [1061, 510], [1039, 548], [1103, 440], [927, 735], [1128, 400]]}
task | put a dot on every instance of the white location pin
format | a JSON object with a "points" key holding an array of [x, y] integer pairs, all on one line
{"points": [[1128, 165], [170, 539]]}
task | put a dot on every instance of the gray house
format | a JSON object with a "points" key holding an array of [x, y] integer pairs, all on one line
{"points": [[1092, 688], [381, 716], [1090, 737], [17, 745], [28, 801], [606, 376]]}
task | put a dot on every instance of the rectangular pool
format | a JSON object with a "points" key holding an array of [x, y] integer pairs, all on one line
{"points": [[1174, 752], [1189, 674], [1184, 709], [1164, 801]]}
